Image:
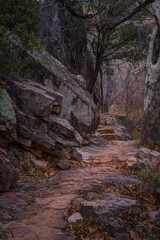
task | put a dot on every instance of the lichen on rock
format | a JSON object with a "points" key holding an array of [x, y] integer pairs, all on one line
{"points": [[7, 113]]}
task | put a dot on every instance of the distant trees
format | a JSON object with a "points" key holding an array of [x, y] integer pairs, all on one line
{"points": [[127, 96], [115, 30], [17, 17]]}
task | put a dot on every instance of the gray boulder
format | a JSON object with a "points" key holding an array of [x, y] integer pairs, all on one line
{"points": [[77, 105], [37, 109], [150, 158], [52, 108], [8, 175], [105, 212], [64, 164]]}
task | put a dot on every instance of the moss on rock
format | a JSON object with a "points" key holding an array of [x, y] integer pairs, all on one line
{"points": [[7, 113]]}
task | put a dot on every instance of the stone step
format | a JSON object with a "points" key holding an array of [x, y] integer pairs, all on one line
{"points": [[108, 136], [108, 120], [105, 130], [101, 126]]}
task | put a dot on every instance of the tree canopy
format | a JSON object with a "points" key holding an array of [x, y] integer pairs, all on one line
{"points": [[116, 29], [17, 17]]}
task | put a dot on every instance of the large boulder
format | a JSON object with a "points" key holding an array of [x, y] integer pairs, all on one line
{"points": [[77, 105], [37, 109], [150, 158], [8, 175], [105, 212]]}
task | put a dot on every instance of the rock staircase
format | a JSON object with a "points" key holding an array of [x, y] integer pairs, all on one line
{"points": [[106, 132], [110, 130]]}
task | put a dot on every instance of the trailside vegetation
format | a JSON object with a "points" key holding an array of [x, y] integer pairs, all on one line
{"points": [[17, 18]]}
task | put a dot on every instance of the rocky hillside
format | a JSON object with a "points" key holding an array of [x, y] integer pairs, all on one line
{"points": [[67, 42], [63, 40], [45, 107]]}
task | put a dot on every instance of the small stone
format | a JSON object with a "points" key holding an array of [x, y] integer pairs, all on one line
{"points": [[77, 201], [96, 135], [64, 164], [65, 155], [51, 174], [88, 137], [131, 161], [32, 157], [85, 142], [8, 175], [75, 217], [150, 158], [40, 164], [75, 154]]}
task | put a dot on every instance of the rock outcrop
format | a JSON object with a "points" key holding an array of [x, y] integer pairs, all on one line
{"points": [[45, 106], [52, 108], [150, 158], [77, 105], [63, 40], [37, 109]]}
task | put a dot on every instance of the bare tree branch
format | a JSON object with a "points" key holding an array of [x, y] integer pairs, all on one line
{"points": [[129, 16], [82, 16], [116, 23]]}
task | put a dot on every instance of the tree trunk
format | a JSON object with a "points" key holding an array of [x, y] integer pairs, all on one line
{"points": [[108, 96], [152, 88], [93, 79]]}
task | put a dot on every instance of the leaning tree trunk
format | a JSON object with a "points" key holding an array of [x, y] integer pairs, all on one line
{"points": [[152, 89]]}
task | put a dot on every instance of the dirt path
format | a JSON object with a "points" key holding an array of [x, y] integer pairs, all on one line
{"points": [[39, 211]]}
